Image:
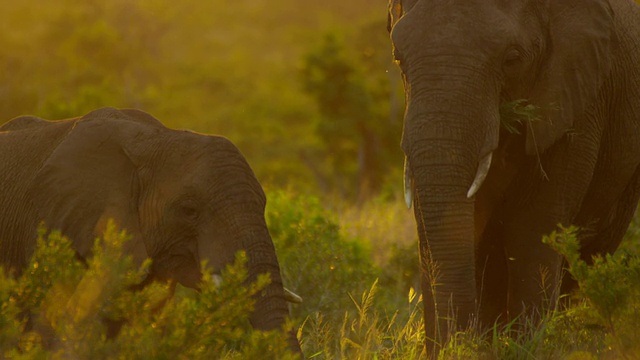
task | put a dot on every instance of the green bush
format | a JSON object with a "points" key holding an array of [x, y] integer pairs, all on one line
{"points": [[317, 262], [611, 288], [347, 312], [60, 308], [598, 321]]}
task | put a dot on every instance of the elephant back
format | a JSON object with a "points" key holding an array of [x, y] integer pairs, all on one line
{"points": [[25, 145], [133, 115], [24, 122]]}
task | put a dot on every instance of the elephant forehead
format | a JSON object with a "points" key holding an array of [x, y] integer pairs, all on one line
{"points": [[163, 191], [202, 175], [442, 24], [196, 185]]}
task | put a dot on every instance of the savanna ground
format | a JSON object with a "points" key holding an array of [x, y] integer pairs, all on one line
{"points": [[313, 100]]}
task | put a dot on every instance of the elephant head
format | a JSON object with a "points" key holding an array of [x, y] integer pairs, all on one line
{"points": [[460, 61], [183, 197]]}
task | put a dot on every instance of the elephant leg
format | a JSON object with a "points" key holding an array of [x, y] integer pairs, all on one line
{"points": [[607, 239], [549, 191], [534, 273], [620, 215], [492, 278]]}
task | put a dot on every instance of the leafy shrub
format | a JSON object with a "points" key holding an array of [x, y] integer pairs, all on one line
{"points": [[386, 226], [330, 269], [316, 260], [611, 288], [631, 241], [599, 321], [61, 308]]}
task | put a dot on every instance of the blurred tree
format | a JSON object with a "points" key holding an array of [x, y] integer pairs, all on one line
{"points": [[353, 94]]}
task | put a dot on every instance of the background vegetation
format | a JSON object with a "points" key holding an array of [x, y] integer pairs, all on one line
{"points": [[304, 89], [308, 92], [353, 309]]}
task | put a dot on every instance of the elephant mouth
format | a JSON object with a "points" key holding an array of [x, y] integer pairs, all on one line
{"points": [[481, 175], [289, 296], [164, 274], [180, 268]]}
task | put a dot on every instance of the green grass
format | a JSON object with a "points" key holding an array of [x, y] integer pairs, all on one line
{"points": [[350, 265]]}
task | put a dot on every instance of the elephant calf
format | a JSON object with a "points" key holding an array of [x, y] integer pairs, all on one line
{"points": [[184, 197]]}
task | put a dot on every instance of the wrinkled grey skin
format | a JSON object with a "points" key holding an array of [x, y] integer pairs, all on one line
{"points": [[184, 197], [579, 61]]}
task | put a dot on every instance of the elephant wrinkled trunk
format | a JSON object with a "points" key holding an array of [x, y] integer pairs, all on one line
{"points": [[448, 138], [445, 218], [249, 230], [271, 308]]}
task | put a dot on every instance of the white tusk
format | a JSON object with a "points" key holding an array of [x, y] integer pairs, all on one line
{"points": [[216, 280], [408, 196], [289, 295], [292, 297], [483, 170]]}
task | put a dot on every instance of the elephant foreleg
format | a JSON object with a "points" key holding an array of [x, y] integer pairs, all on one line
{"points": [[492, 279], [612, 229], [548, 192]]}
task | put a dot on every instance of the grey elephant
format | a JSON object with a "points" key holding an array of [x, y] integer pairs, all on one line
{"points": [[183, 196], [484, 194]]}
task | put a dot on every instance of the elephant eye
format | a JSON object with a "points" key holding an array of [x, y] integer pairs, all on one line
{"points": [[512, 59], [189, 211]]}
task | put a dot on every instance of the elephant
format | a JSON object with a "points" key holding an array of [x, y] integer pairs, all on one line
{"points": [[483, 193], [182, 196]]}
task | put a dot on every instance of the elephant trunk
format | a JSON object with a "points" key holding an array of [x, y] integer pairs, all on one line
{"points": [[271, 307], [445, 221], [448, 156], [242, 201]]}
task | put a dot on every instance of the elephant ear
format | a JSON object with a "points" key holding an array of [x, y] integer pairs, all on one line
{"points": [[577, 64], [88, 179]]}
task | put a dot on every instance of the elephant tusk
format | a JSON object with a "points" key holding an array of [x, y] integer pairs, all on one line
{"points": [[483, 170], [216, 280], [289, 295], [292, 297], [408, 196]]}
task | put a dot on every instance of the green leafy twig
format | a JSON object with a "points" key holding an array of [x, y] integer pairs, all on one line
{"points": [[515, 113]]}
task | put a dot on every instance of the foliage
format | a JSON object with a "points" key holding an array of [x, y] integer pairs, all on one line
{"points": [[631, 241], [329, 268], [353, 105], [598, 322], [311, 251], [518, 113], [390, 230], [366, 333], [61, 308], [611, 286], [381, 325]]}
